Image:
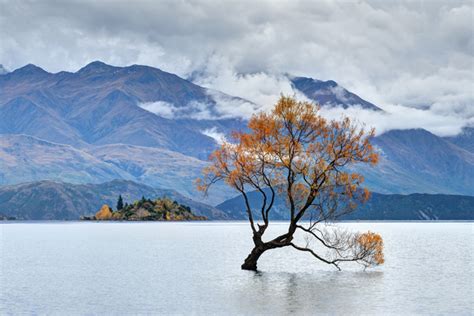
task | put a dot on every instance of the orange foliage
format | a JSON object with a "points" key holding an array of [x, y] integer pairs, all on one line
{"points": [[104, 213], [295, 152], [372, 243], [296, 148]]}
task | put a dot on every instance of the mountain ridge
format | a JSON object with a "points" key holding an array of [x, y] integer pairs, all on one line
{"points": [[100, 106], [26, 158], [46, 200], [330, 93], [415, 206]]}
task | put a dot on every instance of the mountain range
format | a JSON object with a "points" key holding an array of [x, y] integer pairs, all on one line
{"points": [[142, 124], [50, 200], [46, 200], [414, 206]]}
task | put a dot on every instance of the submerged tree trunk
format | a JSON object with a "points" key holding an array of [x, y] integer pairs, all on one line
{"points": [[250, 262]]}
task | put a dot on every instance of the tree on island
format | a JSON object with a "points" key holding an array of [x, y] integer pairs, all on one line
{"points": [[295, 153], [119, 203]]}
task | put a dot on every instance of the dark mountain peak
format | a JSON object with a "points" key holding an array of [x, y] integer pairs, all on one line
{"points": [[30, 70], [467, 131], [95, 67], [329, 93], [136, 67], [330, 83], [412, 132], [302, 80], [404, 137], [146, 74], [64, 73], [465, 139], [306, 81], [99, 67]]}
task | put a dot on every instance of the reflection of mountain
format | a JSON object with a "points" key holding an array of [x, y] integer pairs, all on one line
{"points": [[91, 126], [57, 200]]}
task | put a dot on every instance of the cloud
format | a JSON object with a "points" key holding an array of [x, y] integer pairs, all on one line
{"points": [[232, 107], [418, 54], [222, 107], [194, 109], [160, 108], [400, 117], [215, 134]]}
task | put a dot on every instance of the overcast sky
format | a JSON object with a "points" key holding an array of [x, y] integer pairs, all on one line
{"points": [[414, 59]]}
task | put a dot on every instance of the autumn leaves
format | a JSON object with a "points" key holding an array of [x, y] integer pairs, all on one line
{"points": [[296, 153]]}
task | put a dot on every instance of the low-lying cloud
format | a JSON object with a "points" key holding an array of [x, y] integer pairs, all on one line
{"points": [[192, 110], [219, 137], [439, 118], [399, 117], [223, 107], [160, 108]]}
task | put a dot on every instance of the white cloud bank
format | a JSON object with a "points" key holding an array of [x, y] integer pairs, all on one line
{"points": [[400, 117], [224, 107], [160, 108], [419, 54]]}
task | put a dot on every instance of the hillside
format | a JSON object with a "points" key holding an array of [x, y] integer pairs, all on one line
{"points": [[379, 207], [25, 159], [99, 104], [160, 168], [47, 200], [418, 161], [464, 140]]}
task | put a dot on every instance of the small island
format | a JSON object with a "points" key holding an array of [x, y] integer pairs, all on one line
{"points": [[162, 209]]}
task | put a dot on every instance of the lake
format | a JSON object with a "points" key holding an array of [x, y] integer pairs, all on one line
{"points": [[194, 268]]}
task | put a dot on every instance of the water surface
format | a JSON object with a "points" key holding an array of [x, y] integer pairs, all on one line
{"points": [[194, 268]]}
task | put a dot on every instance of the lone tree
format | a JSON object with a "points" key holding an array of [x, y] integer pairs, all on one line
{"points": [[119, 203], [295, 153]]}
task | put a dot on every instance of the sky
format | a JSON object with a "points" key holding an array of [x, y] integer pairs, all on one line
{"points": [[414, 59]]}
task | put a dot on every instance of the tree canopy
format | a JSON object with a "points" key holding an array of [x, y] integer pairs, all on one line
{"points": [[295, 152]]}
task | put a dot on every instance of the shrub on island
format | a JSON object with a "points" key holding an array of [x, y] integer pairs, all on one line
{"points": [[162, 209]]}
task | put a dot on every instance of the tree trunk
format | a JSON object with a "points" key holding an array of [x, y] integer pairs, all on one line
{"points": [[250, 262]]}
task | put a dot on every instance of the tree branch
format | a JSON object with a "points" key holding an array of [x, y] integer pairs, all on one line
{"points": [[315, 255]]}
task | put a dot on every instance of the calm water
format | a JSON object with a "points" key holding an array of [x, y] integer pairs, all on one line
{"points": [[194, 268]]}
